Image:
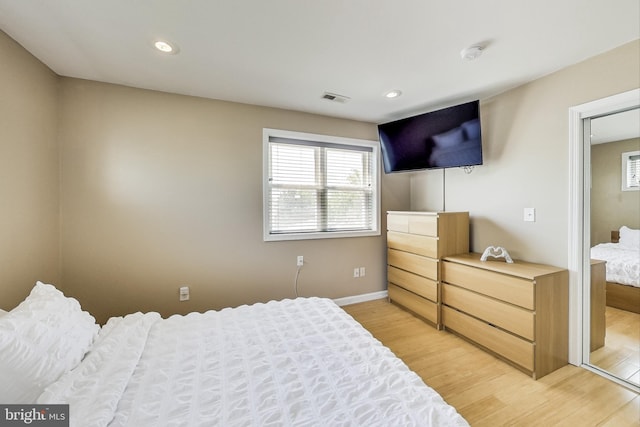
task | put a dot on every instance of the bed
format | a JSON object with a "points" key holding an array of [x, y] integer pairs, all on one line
{"points": [[461, 145], [302, 362], [622, 258]]}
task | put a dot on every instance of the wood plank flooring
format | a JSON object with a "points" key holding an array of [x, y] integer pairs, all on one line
{"points": [[489, 392], [621, 352]]}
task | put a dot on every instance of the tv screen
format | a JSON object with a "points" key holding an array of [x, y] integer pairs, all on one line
{"points": [[445, 138]]}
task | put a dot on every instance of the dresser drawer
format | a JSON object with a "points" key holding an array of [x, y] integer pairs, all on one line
{"points": [[519, 351], [423, 266], [412, 282], [415, 303], [426, 225], [397, 222], [501, 286], [506, 316], [414, 243]]}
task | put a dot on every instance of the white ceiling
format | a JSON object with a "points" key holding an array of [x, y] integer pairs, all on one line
{"points": [[616, 127], [287, 53]]}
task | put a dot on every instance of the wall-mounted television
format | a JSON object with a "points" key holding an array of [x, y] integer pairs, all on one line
{"points": [[445, 138]]}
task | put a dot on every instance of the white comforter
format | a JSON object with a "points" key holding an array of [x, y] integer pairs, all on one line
{"points": [[623, 263], [302, 362]]}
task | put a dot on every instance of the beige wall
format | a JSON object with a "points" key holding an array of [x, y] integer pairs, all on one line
{"points": [[29, 170], [159, 190], [611, 207], [526, 159], [162, 190], [119, 196]]}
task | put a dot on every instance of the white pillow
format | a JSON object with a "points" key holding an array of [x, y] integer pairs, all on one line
{"points": [[45, 336], [629, 238], [2, 312]]}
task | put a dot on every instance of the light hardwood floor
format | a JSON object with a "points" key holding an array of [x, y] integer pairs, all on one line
{"points": [[621, 353], [489, 392]]}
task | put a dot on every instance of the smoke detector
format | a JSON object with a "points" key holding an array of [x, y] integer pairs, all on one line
{"points": [[472, 52], [335, 97]]}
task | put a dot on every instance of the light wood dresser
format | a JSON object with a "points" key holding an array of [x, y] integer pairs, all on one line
{"points": [[598, 304], [416, 243], [518, 312]]}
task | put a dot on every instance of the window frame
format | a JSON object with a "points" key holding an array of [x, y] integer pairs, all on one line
{"points": [[626, 163], [327, 139]]}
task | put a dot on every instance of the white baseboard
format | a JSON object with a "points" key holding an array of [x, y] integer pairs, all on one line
{"points": [[361, 298]]}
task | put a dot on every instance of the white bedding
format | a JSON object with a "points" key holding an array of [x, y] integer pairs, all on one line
{"points": [[302, 362], [623, 262]]}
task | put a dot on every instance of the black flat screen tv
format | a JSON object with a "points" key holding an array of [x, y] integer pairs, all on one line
{"points": [[445, 138]]}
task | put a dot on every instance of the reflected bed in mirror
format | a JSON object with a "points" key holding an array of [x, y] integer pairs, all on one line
{"points": [[613, 215]]}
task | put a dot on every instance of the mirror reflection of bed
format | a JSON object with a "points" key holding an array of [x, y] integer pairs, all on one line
{"points": [[615, 262], [615, 307]]}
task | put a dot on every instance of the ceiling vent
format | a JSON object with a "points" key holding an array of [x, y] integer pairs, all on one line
{"points": [[335, 97]]}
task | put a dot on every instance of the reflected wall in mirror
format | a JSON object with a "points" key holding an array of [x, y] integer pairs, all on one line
{"points": [[615, 284]]}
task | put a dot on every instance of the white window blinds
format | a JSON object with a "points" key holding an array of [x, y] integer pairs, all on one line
{"points": [[633, 171], [318, 186]]}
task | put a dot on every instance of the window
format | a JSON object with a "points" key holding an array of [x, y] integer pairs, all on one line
{"points": [[318, 186], [631, 171]]}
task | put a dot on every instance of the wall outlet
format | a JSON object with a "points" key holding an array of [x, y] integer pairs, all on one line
{"points": [[300, 261], [362, 272], [356, 272], [184, 293]]}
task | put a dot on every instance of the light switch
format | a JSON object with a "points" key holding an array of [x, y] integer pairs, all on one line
{"points": [[530, 214]]}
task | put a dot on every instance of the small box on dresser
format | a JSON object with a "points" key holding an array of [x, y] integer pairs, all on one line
{"points": [[416, 242], [519, 311]]}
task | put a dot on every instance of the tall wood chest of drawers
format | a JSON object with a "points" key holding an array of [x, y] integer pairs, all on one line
{"points": [[416, 243], [598, 302], [517, 311]]}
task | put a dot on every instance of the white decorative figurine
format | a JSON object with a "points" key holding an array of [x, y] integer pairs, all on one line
{"points": [[496, 252]]}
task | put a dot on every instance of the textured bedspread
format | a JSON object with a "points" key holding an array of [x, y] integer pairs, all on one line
{"points": [[623, 263], [302, 362]]}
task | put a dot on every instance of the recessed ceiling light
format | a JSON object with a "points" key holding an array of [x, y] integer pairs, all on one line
{"points": [[472, 52], [393, 93], [165, 47]]}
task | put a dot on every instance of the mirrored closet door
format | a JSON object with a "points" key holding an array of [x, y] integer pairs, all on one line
{"points": [[612, 205]]}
